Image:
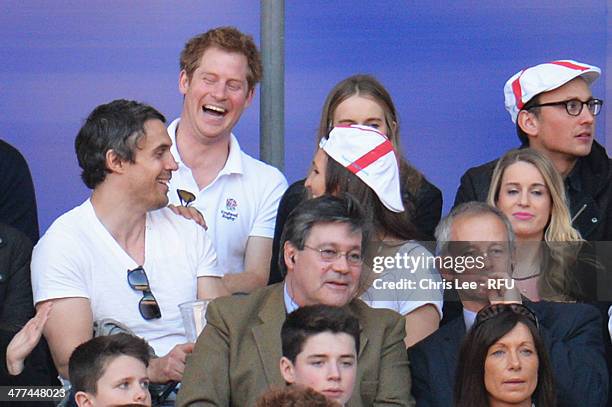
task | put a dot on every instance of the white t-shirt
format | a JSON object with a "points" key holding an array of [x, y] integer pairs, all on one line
{"points": [[408, 281], [78, 257], [241, 202]]}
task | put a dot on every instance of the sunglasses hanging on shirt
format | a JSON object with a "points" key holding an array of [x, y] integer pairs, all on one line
{"points": [[148, 306]]}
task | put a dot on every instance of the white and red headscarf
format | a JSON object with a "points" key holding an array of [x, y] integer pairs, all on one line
{"points": [[367, 153]]}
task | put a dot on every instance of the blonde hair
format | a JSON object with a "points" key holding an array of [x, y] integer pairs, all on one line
{"points": [[559, 227], [563, 241]]}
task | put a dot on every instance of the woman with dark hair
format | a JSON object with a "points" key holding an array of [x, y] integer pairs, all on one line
{"points": [[503, 361], [363, 100], [361, 161]]}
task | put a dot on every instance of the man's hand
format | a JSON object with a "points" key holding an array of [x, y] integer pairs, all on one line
{"points": [[171, 366], [189, 212], [26, 340], [506, 291]]}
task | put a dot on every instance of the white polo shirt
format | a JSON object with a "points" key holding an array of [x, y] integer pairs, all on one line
{"points": [[78, 257], [241, 202]]}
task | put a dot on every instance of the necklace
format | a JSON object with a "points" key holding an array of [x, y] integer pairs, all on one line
{"points": [[528, 277]]}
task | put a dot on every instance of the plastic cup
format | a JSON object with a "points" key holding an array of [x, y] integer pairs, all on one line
{"points": [[194, 318]]}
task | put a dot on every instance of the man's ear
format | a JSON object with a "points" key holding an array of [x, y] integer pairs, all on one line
{"points": [[250, 96], [183, 82], [287, 370], [113, 162], [83, 399], [528, 122], [447, 272], [289, 252]]}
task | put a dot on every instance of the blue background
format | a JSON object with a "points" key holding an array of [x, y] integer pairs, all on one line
{"points": [[445, 63]]}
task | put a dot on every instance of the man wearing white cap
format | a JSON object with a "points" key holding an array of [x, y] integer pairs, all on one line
{"points": [[554, 112]]}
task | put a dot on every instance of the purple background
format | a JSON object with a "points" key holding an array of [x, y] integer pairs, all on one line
{"points": [[445, 64]]}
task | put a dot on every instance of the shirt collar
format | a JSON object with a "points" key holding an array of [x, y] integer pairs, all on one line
{"points": [[468, 317], [233, 165], [290, 304]]}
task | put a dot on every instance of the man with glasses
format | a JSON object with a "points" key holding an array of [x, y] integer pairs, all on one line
{"points": [[571, 332], [237, 355], [554, 112], [122, 255]]}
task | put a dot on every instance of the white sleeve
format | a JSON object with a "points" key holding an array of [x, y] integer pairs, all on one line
{"points": [[429, 273], [397, 285], [275, 185], [207, 266], [59, 268]]}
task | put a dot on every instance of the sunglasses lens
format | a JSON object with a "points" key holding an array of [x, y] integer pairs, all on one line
{"points": [[148, 306], [138, 279], [185, 197]]}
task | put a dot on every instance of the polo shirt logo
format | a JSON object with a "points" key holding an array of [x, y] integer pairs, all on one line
{"points": [[230, 212], [231, 204]]}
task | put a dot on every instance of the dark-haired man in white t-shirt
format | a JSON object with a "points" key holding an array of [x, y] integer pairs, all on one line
{"points": [[121, 254]]}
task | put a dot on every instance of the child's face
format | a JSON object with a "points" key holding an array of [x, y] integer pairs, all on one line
{"points": [[327, 364], [124, 381]]}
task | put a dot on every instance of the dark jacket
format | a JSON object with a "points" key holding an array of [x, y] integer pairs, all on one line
{"points": [[16, 308], [17, 200], [427, 212], [588, 186], [571, 333]]}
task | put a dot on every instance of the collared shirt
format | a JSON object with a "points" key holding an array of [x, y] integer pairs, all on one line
{"points": [[290, 304], [240, 202]]}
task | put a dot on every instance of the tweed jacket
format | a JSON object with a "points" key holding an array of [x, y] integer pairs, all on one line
{"points": [[236, 358]]}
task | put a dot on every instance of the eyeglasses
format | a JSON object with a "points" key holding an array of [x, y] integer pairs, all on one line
{"points": [[494, 310], [185, 197], [353, 258], [148, 306], [574, 106]]}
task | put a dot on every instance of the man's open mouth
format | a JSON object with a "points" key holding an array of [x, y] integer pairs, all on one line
{"points": [[214, 110]]}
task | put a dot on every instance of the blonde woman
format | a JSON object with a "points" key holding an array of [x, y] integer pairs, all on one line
{"points": [[528, 189]]}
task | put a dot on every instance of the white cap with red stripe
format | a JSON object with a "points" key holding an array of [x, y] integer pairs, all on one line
{"points": [[369, 154], [529, 82]]}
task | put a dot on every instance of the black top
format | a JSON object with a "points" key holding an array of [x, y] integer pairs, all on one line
{"points": [[16, 308], [17, 199]]}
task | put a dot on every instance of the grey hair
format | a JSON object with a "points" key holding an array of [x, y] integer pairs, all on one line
{"points": [[325, 209], [474, 208]]}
